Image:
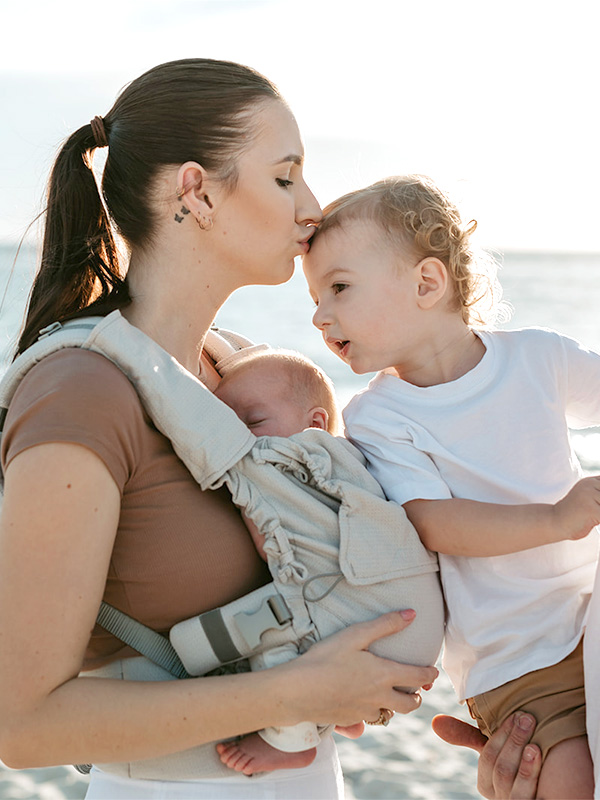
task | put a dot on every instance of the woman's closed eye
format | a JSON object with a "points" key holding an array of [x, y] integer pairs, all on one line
{"points": [[339, 287]]}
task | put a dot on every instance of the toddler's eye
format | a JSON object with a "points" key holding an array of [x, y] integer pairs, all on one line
{"points": [[339, 287], [283, 183]]}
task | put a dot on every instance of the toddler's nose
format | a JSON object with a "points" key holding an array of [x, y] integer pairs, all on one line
{"points": [[318, 319]]}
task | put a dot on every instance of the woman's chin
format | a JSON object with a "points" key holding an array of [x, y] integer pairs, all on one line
{"points": [[282, 275]]}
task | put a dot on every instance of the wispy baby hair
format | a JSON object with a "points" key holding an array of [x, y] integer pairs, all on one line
{"points": [[310, 385], [416, 213]]}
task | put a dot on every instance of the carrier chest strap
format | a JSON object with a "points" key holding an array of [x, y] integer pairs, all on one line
{"points": [[147, 642]]}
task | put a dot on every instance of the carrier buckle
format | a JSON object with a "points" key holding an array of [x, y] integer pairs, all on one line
{"points": [[273, 612], [49, 330]]}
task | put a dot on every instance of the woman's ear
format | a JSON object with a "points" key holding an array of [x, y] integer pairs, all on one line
{"points": [[319, 418], [194, 189], [432, 281]]}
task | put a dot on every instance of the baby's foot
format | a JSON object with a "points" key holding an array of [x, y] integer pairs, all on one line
{"points": [[252, 754]]}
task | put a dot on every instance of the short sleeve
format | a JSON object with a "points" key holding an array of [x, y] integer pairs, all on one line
{"points": [[403, 470], [78, 397], [583, 384]]}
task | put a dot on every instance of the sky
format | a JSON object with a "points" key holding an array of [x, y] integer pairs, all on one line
{"points": [[495, 100]]}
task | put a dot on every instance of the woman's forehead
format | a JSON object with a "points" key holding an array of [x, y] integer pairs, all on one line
{"points": [[277, 135]]}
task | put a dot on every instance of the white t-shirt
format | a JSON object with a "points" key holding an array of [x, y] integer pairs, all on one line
{"points": [[498, 434]]}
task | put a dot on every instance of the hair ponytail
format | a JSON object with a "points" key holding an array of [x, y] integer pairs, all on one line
{"points": [[79, 262], [189, 110]]}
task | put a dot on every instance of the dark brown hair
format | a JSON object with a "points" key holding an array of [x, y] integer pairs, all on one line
{"points": [[188, 110]]}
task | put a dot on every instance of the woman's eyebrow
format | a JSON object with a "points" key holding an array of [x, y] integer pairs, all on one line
{"points": [[295, 159]]}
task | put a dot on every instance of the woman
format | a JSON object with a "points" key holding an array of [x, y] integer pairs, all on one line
{"points": [[203, 182]]}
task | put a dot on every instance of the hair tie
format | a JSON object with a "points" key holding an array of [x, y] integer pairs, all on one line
{"points": [[98, 131]]}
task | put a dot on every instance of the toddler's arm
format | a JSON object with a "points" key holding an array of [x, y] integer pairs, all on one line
{"points": [[470, 528]]}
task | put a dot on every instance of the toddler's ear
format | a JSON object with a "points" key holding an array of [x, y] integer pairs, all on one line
{"points": [[432, 282], [318, 418]]}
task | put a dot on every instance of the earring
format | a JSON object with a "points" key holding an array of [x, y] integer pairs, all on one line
{"points": [[205, 223]]}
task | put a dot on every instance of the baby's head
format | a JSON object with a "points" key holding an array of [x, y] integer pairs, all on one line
{"points": [[396, 225], [279, 393]]}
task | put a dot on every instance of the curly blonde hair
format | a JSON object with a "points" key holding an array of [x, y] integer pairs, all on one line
{"points": [[413, 211]]}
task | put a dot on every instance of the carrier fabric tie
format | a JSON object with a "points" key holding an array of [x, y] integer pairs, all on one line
{"points": [[282, 558]]}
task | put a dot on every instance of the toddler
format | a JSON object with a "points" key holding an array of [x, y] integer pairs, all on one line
{"points": [[466, 427]]}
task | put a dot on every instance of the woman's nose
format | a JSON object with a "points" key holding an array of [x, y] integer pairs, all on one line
{"points": [[308, 209]]}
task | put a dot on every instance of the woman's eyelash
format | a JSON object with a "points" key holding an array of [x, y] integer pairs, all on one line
{"points": [[283, 182]]}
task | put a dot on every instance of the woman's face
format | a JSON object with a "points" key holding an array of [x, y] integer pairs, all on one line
{"points": [[268, 218]]}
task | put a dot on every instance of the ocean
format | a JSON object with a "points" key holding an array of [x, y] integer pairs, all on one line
{"points": [[406, 759]]}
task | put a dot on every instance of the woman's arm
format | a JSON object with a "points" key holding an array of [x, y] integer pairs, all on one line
{"points": [[57, 530], [470, 528]]}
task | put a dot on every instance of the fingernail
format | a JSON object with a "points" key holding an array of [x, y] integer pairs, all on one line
{"points": [[408, 613], [528, 754], [524, 722]]}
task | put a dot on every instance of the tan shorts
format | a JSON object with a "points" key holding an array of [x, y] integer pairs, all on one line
{"points": [[553, 695]]}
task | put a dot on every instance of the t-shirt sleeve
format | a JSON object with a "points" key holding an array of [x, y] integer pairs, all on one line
{"points": [[78, 397], [582, 384], [403, 471]]}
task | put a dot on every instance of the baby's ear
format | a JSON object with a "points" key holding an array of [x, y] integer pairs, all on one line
{"points": [[432, 282], [318, 418]]}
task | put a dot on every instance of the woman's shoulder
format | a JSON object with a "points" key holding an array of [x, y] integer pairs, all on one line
{"points": [[76, 396], [80, 373]]}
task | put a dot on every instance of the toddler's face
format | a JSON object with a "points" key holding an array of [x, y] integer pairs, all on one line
{"points": [[365, 292], [261, 396]]}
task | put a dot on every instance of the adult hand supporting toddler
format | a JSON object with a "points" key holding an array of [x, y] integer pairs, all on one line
{"points": [[509, 766], [355, 683]]}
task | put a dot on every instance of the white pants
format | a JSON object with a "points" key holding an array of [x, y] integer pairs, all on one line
{"points": [[322, 780]]}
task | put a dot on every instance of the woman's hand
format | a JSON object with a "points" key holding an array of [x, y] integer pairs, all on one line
{"points": [[339, 680], [509, 767]]}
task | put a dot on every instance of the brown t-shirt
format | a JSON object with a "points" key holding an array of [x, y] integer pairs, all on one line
{"points": [[179, 551]]}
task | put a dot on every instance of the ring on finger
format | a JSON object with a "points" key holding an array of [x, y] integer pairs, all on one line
{"points": [[385, 715]]}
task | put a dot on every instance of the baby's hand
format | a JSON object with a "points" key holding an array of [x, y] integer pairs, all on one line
{"points": [[579, 511]]}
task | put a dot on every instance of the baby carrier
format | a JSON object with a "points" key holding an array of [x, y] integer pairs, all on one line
{"points": [[365, 559]]}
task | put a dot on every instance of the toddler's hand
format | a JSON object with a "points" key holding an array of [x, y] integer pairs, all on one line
{"points": [[579, 510]]}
